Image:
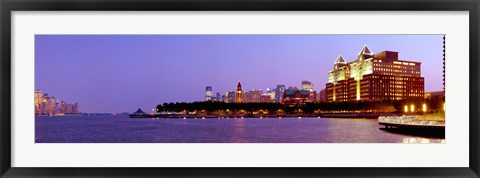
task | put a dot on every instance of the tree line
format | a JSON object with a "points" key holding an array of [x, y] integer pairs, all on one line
{"points": [[433, 105]]}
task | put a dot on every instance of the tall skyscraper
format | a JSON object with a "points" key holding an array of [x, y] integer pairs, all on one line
{"points": [[239, 97], [374, 77], [38, 101], [208, 93], [279, 93]]}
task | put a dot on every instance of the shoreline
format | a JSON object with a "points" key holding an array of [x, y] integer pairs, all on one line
{"points": [[324, 115]]}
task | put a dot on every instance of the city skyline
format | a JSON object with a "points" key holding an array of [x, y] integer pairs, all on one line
{"points": [[120, 73]]}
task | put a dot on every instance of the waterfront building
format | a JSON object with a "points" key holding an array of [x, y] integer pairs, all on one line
{"points": [[293, 97], [239, 98], [374, 77], [280, 90], [208, 93], [219, 97], [434, 94], [322, 96]]}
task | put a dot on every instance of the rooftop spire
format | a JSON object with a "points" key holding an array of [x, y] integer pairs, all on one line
{"points": [[340, 60], [365, 50]]}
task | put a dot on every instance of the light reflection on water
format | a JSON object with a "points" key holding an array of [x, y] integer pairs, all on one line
{"points": [[422, 140], [121, 129]]}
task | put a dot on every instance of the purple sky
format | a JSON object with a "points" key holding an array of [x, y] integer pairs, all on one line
{"points": [[120, 73]]}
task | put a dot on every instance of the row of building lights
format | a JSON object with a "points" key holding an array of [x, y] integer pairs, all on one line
{"points": [[424, 108]]}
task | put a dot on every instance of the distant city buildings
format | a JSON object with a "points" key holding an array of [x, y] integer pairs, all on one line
{"points": [[379, 76], [374, 77], [46, 105], [253, 96], [271, 96]]}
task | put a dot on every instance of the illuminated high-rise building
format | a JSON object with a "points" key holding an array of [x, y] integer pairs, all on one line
{"points": [[374, 77], [272, 94], [279, 93], [308, 86], [239, 97], [38, 101], [208, 93]]}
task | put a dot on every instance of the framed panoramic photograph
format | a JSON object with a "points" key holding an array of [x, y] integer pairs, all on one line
{"points": [[232, 88]]}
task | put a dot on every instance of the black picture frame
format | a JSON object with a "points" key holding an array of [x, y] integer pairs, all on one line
{"points": [[7, 6]]}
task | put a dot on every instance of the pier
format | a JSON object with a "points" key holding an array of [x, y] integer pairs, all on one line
{"points": [[415, 125]]}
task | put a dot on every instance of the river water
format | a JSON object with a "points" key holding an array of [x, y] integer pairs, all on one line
{"points": [[122, 129]]}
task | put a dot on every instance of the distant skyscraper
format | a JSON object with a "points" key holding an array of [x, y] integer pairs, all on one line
{"points": [[272, 94], [38, 101], [219, 97], [239, 97], [208, 93], [279, 93], [230, 97], [306, 85]]}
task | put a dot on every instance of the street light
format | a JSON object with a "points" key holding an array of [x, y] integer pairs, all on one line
{"points": [[412, 108], [406, 108], [424, 108]]}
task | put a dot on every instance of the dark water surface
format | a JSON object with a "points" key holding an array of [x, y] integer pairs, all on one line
{"points": [[121, 129]]}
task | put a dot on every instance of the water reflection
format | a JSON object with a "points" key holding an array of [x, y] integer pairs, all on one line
{"points": [[239, 131], [422, 140]]}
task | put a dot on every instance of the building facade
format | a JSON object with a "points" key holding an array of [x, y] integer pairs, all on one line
{"points": [[380, 76], [280, 90], [295, 97]]}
